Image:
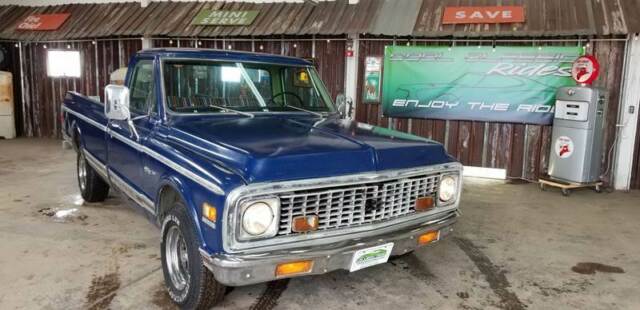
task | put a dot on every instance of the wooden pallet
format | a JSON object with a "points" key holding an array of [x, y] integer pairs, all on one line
{"points": [[566, 187]]}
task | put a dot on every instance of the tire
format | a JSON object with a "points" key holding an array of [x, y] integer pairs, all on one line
{"points": [[189, 283], [92, 187]]}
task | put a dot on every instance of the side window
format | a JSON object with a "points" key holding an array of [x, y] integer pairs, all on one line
{"points": [[142, 91]]}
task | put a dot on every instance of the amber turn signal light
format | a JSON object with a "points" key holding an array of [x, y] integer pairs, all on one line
{"points": [[291, 268], [424, 203], [305, 223], [209, 212], [429, 237]]}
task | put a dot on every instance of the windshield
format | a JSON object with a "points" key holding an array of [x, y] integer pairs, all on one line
{"points": [[196, 86]]}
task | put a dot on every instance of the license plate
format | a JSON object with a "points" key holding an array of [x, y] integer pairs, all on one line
{"points": [[371, 256]]}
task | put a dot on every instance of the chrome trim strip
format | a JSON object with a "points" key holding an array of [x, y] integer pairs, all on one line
{"points": [[84, 118], [232, 245], [131, 192], [95, 163], [196, 178]]}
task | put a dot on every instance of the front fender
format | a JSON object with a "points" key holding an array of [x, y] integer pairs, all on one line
{"points": [[194, 195]]}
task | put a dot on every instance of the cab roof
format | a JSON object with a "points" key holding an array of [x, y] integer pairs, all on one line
{"points": [[224, 55]]}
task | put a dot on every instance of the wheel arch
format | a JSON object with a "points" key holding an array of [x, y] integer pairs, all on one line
{"points": [[173, 188]]}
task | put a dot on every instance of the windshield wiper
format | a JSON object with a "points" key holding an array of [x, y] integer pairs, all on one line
{"points": [[304, 110], [225, 109]]}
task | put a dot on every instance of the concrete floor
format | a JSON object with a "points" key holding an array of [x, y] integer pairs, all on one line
{"points": [[514, 248]]}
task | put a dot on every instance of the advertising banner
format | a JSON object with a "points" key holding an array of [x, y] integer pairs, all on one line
{"points": [[505, 84], [372, 72]]}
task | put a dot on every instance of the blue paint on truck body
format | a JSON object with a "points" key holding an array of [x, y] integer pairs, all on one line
{"points": [[205, 157]]}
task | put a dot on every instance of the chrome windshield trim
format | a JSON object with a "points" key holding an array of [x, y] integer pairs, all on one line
{"points": [[232, 245]]}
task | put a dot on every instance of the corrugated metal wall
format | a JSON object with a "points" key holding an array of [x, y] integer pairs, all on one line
{"points": [[520, 149]]}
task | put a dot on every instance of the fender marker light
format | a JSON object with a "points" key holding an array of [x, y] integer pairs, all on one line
{"points": [[429, 237], [209, 212], [287, 269], [305, 223], [424, 203]]}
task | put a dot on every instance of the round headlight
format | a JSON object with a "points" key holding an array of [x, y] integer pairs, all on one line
{"points": [[448, 188], [257, 218]]}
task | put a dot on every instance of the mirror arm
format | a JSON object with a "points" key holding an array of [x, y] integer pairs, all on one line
{"points": [[133, 129]]}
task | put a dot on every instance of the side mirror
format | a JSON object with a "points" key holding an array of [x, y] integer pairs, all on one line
{"points": [[343, 104], [116, 104]]}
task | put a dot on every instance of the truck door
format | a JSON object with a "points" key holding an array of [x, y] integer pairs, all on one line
{"points": [[124, 147]]}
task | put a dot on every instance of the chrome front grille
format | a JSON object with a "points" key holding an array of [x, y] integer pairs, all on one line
{"points": [[354, 205]]}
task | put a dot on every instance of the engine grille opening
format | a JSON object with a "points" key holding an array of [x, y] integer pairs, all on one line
{"points": [[354, 205]]}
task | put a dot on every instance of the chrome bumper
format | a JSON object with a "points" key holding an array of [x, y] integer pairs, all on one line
{"points": [[245, 269]]}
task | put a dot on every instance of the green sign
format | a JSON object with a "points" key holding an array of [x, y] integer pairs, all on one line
{"points": [[225, 18], [372, 70], [505, 84]]}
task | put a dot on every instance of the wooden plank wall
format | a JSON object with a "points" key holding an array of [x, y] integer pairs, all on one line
{"points": [[521, 149], [41, 106]]}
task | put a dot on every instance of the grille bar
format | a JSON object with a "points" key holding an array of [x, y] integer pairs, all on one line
{"points": [[354, 205]]}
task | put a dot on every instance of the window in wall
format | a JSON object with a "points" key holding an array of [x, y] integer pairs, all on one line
{"points": [[63, 63]]}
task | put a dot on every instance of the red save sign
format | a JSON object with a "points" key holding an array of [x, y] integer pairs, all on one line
{"points": [[43, 21], [483, 14]]}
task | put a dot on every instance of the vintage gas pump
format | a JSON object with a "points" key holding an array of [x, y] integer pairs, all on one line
{"points": [[576, 143]]}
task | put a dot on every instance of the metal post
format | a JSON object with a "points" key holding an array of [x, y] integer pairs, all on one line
{"points": [[23, 92], [628, 116], [351, 74], [95, 47]]}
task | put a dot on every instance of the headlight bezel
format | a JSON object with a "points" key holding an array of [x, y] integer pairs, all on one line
{"points": [[456, 193], [272, 229]]}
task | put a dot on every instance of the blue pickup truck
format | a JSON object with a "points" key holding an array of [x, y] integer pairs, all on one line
{"points": [[253, 173]]}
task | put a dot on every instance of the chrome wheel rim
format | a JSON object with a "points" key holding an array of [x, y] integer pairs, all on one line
{"points": [[82, 172], [177, 258]]}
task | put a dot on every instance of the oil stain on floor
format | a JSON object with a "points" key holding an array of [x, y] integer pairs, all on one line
{"points": [[494, 275], [161, 298], [591, 268], [102, 291]]}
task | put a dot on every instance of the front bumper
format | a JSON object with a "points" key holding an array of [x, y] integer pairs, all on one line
{"points": [[239, 269]]}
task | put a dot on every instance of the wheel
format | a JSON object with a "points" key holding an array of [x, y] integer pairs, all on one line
{"points": [[189, 283], [543, 187], [566, 192], [92, 187], [598, 189]]}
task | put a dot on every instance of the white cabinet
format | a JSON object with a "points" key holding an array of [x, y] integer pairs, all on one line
{"points": [[7, 123]]}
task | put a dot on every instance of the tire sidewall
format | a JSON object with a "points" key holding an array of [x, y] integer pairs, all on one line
{"points": [[178, 217]]}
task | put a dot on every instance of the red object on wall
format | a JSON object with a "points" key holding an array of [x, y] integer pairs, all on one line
{"points": [[585, 69], [349, 53], [43, 21], [482, 14]]}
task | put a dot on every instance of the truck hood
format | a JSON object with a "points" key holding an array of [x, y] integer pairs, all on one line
{"points": [[288, 147]]}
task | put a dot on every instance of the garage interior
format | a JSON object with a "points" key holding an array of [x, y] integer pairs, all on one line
{"points": [[514, 247]]}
